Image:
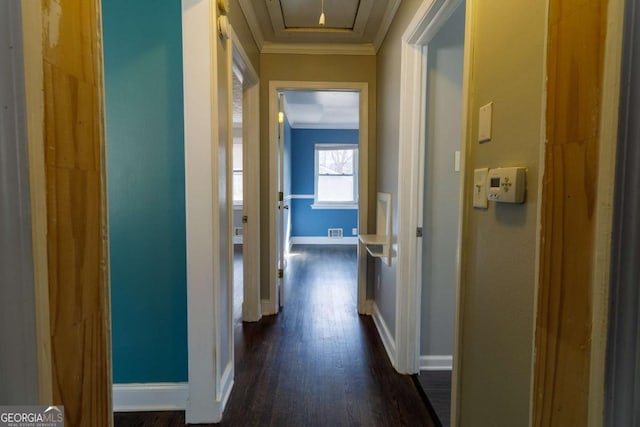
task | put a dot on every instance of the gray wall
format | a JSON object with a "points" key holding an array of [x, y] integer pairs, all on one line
{"points": [[442, 187], [18, 360], [388, 107]]}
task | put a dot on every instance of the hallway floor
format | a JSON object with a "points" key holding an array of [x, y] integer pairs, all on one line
{"points": [[317, 363]]}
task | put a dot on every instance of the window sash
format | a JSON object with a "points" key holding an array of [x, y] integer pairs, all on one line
{"points": [[354, 175]]}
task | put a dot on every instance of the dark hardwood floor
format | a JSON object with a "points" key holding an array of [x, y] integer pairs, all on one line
{"points": [[437, 388], [317, 363]]}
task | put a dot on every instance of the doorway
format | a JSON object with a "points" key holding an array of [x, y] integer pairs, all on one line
{"points": [[440, 211], [297, 92], [318, 173], [432, 115]]}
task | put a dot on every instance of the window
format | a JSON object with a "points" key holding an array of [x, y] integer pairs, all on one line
{"points": [[336, 175], [237, 171]]}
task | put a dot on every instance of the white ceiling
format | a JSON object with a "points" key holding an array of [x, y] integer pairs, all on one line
{"points": [[322, 109], [352, 26]]}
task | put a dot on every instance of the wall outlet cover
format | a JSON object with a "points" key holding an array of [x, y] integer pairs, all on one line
{"points": [[354, 231]]}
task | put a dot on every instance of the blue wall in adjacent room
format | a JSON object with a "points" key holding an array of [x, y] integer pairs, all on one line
{"points": [[145, 153], [306, 221]]}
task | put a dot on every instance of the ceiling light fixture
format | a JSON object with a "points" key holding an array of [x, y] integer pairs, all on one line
{"points": [[321, 21]]}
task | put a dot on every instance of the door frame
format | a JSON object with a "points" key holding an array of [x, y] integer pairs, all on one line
{"points": [[251, 304], [270, 306], [211, 379], [427, 21]]}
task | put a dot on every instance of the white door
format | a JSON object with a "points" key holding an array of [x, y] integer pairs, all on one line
{"points": [[282, 206]]}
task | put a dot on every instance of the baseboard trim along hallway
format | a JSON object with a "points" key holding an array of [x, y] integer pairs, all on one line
{"points": [[436, 363], [150, 397], [386, 337]]}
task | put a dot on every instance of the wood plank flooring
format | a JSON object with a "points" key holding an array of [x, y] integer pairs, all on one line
{"points": [[317, 363], [437, 388]]}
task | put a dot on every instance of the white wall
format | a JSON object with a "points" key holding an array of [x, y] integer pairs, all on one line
{"points": [[442, 187], [18, 357]]}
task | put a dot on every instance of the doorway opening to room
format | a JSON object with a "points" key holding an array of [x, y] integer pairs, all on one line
{"points": [[237, 179], [440, 213], [439, 210], [435, 75], [320, 187]]}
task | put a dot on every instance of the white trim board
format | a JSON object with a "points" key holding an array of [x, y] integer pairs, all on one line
{"points": [[299, 196], [227, 385], [384, 333], [137, 397], [436, 363], [323, 240]]}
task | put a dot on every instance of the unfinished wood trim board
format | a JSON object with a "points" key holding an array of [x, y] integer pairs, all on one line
{"points": [[76, 231], [575, 61]]}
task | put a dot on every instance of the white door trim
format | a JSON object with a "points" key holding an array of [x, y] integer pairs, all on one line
{"points": [[251, 304], [209, 378], [270, 306], [427, 21]]}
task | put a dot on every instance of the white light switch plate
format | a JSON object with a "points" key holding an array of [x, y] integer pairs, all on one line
{"points": [[480, 188], [484, 122]]}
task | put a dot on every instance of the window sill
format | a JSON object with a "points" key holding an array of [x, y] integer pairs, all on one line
{"points": [[334, 206]]}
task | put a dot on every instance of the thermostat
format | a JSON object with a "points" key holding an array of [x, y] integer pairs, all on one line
{"points": [[506, 185]]}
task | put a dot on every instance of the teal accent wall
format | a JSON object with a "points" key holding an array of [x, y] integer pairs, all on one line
{"points": [[146, 189]]}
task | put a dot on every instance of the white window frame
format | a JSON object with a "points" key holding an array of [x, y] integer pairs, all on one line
{"points": [[353, 204]]}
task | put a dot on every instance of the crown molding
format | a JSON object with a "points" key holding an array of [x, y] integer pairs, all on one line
{"points": [[252, 21], [319, 48], [387, 19]]}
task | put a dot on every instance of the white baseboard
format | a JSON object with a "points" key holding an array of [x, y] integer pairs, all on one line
{"points": [[227, 385], [436, 363], [268, 307], [150, 397], [386, 337], [369, 307], [323, 240]]}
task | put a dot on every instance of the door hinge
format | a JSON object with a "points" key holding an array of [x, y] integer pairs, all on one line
{"points": [[245, 219], [280, 196], [419, 232], [280, 273]]}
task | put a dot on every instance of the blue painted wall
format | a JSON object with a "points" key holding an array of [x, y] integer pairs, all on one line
{"points": [[145, 153], [304, 220]]}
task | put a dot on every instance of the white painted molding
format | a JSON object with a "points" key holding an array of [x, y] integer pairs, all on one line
{"points": [[319, 49], [333, 207], [199, 38], [227, 385], [385, 23], [251, 310], [252, 21], [140, 397], [299, 196], [323, 240], [242, 63], [436, 363], [384, 333], [330, 126], [269, 307], [429, 18]]}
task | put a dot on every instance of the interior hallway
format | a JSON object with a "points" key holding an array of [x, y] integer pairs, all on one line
{"points": [[317, 363]]}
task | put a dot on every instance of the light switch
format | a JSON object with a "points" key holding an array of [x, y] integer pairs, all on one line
{"points": [[484, 122], [480, 188], [456, 161]]}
